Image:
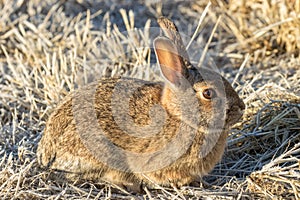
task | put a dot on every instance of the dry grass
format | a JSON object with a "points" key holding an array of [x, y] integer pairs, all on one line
{"points": [[48, 48]]}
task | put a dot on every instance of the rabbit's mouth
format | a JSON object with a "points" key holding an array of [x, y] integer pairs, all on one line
{"points": [[233, 119]]}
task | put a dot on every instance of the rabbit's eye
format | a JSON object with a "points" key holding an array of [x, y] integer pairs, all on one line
{"points": [[208, 94]]}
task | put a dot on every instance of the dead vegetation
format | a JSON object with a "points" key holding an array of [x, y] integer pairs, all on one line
{"points": [[48, 48]]}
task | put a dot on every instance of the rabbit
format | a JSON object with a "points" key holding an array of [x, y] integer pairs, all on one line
{"points": [[136, 133]]}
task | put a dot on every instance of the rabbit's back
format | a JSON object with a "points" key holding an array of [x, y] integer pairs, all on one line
{"points": [[64, 144]]}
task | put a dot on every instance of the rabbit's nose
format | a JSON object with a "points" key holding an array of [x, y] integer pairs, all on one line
{"points": [[241, 111], [238, 109], [242, 105], [235, 113]]}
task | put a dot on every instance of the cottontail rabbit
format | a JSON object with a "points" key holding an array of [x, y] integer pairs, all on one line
{"points": [[129, 131]]}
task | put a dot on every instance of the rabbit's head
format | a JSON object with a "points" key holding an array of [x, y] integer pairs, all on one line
{"points": [[201, 92]]}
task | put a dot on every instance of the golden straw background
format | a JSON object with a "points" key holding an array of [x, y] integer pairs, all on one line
{"points": [[48, 48]]}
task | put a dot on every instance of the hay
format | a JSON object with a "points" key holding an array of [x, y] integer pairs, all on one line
{"points": [[48, 48], [270, 25]]}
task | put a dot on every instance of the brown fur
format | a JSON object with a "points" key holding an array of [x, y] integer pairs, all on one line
{"points": [[71, 143]]}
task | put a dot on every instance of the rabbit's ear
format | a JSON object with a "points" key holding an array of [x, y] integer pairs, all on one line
{"points": [[171, 31], [170, 62]]}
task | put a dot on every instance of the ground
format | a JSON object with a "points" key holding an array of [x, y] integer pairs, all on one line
{"points": [[49, 48]]}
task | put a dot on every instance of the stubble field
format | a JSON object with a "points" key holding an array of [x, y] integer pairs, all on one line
{"points": [[49, 48]]}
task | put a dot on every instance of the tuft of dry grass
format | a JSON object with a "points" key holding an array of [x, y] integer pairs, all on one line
{"points": [[49, 48], [270, 25]]}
